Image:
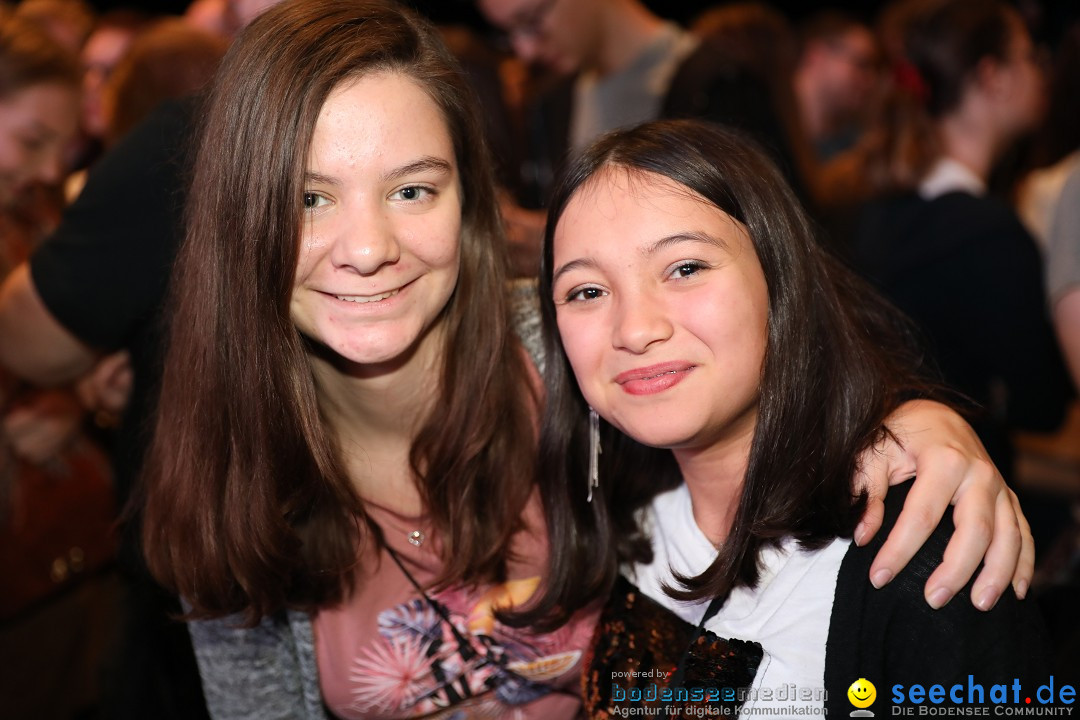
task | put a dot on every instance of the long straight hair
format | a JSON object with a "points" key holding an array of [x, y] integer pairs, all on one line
{"points": [[248, 506], [838, 360]]}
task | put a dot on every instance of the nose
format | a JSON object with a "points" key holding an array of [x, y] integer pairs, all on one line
{"points": [[526, 46], [640, 322], [366, 241], [51, 169]]}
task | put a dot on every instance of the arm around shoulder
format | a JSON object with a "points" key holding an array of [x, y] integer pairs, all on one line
{"points": [[892, 638]]}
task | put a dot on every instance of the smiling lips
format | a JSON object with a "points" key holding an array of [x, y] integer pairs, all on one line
{"points": [[368, 298], [654, 378]]}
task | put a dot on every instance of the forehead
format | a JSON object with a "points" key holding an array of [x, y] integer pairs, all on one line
{"points": [[380, 116], [48, 105], [613, 190], [628, 208]]}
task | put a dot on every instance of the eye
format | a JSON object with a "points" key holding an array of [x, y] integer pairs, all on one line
{"points": [[584, 294], [32, 144], [412, 193], [313, 200], [686, 268]]}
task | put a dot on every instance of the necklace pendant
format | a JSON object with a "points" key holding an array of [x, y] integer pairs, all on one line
{"points": [[416, 537]]}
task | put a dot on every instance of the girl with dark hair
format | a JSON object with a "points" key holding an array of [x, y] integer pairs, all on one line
{"points": [[733, 375], [345, 441]]}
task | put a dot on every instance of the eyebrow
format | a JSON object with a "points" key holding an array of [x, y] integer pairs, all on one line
{"points": [[424, 164], [695, 236], [664, 242]]}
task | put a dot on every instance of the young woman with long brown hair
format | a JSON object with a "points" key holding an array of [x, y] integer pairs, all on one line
{"points": [[344, 449]]}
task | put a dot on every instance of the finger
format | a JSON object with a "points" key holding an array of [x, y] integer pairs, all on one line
{"points": [[921, 513], [870, 522], [973, 518], [1002, 557], [1025, 567]]}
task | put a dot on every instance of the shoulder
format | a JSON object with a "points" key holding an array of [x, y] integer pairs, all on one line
{"points": [[525, 317], [893, 634], [266, 671]]}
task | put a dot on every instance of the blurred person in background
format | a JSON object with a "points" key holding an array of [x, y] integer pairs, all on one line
{"points": [[169, 61], [1056, 152], [68, 22], [208, 15], [759, 40], [835, 76], [57, 611], [613, 64], [113, 34], [95, 286], [927, 234]]}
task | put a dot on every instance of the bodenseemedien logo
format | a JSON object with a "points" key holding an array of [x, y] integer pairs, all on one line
{"points": [[862, 694]]}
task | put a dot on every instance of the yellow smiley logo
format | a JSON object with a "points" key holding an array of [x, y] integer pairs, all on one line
{"points": [[862, 693]]}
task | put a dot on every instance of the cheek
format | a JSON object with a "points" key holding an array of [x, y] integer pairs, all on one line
{"points": [[435, 242], [580, 342], [11, 155]]}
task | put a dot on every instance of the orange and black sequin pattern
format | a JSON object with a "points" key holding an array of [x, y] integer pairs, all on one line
{"points": [[636, 650]]}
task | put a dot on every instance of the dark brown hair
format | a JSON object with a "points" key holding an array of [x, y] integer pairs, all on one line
{"points": [[248, 505], [28, 56], [837, 362]]}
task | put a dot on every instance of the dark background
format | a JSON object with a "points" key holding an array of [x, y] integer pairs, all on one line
{"points": [[1047, 18]]}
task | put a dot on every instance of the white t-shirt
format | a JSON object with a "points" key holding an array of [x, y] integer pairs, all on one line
{"points": [[788, 612]]}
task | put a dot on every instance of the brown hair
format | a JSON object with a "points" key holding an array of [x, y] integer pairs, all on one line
{"points": [[838, 360], [248, 506], [169, 60], [66, 21], [28, 56]]}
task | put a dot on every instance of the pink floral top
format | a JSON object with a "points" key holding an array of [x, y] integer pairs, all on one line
{"points": [[389, 653]]}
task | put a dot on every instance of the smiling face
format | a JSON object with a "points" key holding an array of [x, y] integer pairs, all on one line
{"points": [[862, 693], [662, 308], [35, 125], [379, 254]]}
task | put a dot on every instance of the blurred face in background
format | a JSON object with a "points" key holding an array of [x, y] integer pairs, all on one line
{"points": [[242, 12], [1019, 86], [559, 35], [846, 66], [100, 55], [36, 123]]}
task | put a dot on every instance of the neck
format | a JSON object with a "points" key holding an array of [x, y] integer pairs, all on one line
{"points": [[626, 28], [375, 414], [714, 476], [968, 138]]}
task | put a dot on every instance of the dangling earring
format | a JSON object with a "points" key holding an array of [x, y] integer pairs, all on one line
{"points": [[594, 452]]}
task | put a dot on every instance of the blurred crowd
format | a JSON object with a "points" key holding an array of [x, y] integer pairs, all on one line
{"points": [[937, 145]]}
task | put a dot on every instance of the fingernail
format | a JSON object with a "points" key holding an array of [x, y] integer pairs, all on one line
{"points": [[1021, 589], [881, 578], [987, 599], [860, 534], [939, 597]]}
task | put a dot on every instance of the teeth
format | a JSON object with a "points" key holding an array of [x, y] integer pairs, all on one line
{"points": [[669, 372], [366, 298]]}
